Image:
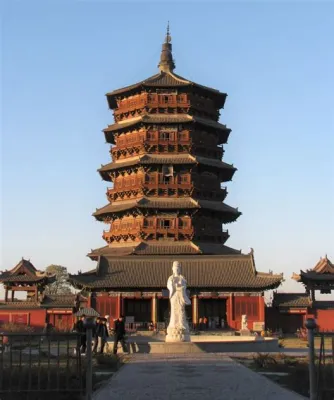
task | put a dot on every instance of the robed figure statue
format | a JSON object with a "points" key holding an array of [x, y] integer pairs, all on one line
{"points": [[178, 329]]}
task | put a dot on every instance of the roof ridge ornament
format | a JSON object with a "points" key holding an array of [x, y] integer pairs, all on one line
{"points": [[166, 63]]}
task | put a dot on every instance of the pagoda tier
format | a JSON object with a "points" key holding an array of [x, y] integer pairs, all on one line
{"points": [[167, 168], [142, 130]]}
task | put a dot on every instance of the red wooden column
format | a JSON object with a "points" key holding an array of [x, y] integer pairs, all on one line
{"points": [[154, 309], [119, 305], [261, 309], [195, 310], [229, 309]]}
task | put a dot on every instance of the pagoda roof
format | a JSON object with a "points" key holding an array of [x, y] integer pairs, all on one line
{"points": [[25, 272], [168, 80], [235, 272], [323, 271], [163, 119], [176, 159], [167, 203], [162, 247], [283, 300]]}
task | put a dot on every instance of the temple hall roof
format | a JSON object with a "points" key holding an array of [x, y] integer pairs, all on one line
{"points": [[161, 248], [291, 300], [235, 272]]}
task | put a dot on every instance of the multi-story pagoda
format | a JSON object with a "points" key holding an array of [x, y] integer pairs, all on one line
{"points": [[167, 200]]}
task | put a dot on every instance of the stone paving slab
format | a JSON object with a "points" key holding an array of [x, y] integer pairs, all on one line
{"points": [[189, 377]]}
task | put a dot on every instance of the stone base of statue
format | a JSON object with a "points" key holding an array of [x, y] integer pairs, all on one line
{"points": [[245, 332], [177, 335]]}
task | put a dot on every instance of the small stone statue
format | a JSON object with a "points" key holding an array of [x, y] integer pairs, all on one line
{"points": [[178, 329]]}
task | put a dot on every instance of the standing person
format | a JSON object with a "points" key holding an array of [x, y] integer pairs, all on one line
{"points": [[95, 332], [80, 328], [200, 323], [102, 334], [119, 334], [205, 323]]}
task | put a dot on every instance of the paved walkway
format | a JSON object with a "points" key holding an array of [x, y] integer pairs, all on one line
{"points": [[189, 377]]}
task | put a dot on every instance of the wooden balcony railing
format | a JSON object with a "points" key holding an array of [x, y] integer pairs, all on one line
{"points": [[171, 230], [154, 141], [151, 101], [119, 186], [135, 230]]}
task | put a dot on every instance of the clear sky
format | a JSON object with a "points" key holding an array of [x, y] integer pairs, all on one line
{"points": [[275, 61]]}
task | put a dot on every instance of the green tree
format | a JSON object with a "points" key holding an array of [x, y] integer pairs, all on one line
{"points": [[61, 284]]}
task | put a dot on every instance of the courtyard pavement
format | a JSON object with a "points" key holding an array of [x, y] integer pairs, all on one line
{"points": [[189, 377]]}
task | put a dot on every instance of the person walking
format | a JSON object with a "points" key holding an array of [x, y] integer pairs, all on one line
{"points": [[119, 334], [95, 335], [80, 328], [102, 334]]}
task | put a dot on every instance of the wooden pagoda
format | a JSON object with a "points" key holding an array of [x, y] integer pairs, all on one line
{"points": [[167, 202]]}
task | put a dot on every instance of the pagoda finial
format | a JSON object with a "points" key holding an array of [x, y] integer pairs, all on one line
{"points": [[168, 37], [166, 59]]}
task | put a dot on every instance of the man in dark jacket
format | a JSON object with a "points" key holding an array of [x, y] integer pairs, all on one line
{"points": [[95, 333], [119, 334], [102, 334], [80, 328]]}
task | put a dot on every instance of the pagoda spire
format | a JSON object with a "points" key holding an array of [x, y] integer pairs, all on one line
{"points": [[166, 59]]}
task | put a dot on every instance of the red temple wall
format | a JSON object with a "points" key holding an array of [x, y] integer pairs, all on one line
{"points": [[106, 305], [325, 319], [252, 306], [34, 318], [293, 319]]}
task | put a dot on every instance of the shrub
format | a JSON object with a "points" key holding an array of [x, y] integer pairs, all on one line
{"points": [[11, 327], [262, 360]]}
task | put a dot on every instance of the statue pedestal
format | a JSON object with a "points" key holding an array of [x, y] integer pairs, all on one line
{"points": [[177, 335], [245, 332]]}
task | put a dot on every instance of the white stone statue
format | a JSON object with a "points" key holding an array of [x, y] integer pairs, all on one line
{"points": [[244, 322], [178, 329]]}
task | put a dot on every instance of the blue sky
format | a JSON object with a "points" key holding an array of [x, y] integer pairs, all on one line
{"points": [[275, 61]]}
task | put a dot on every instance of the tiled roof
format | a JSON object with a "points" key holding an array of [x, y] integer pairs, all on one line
{"points": [[24, 271], [146, 202], [176, 159], [225, 272], [161, 247], [323, 304], [291, 300], [149, 159], [165, 79], [59, 300], [19, 304], [323, 271], [230, 213], [166, 118], [88, 312]]}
